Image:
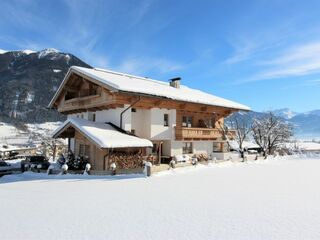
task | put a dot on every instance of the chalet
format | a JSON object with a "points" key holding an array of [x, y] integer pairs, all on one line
{"points": [[117, 117]]}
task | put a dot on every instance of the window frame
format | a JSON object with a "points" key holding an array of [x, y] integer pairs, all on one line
{"points": [[166, 120], [186, 120], [187, 148], [84, 149]]}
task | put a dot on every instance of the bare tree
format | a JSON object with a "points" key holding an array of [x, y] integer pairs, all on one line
{"points": [[52, 147], [270, 132], [241, 125]]}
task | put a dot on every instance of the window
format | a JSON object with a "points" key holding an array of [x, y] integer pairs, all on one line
{"points": [[186, 121], [84, 150], [206, 123], [133, 110], [166, 120], [154, 148], [81, 115], [91, 116], [187, 148], [70, 95], [133, 132], [216, 147], [93, 89]]}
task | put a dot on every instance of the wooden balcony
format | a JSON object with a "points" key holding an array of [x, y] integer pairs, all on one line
{"points": [[185, 133]]}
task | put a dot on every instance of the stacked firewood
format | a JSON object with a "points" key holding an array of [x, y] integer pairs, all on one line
{"points": [[202, 157], [127, 160]]}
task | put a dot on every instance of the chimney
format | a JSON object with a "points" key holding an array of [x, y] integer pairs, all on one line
{"points": [[175, 82]]}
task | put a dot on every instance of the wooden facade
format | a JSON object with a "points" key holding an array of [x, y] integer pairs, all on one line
{"points": [[194, 122], [81, 94], [101, 158]]}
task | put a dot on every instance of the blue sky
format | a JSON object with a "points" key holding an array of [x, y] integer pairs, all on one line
{"points": [[265, 54]]}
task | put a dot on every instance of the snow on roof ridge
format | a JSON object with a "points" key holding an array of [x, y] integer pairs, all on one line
{"points": [[120, 83], [131, 76]]}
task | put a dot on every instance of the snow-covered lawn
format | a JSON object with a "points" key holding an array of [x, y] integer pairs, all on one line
{"points": [[270, 199]]}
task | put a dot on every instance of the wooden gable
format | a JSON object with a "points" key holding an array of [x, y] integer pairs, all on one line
{"points": [[81, 93]]}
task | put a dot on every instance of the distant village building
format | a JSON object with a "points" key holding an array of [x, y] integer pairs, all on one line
{"points": [[119, 118]]}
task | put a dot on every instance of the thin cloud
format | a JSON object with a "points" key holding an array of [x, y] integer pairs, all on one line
{"points": [[306, 83], [148, 64], [243, 51], [305, 52], [301, 60]]}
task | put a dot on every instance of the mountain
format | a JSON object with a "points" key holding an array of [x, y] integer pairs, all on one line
{"points": [[28, 80], [285, 113], [306, 125], [314, 112]]}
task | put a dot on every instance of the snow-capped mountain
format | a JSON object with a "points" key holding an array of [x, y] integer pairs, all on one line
{"points": [[28, 80], [285, 113], [314, 112], [306, 125]]}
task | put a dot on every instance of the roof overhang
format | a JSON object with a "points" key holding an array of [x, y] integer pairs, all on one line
{"points": [[90, 76], [71, 71], [102, 135]]}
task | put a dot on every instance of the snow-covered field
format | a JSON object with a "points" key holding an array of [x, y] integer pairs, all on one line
{"points": [[10, 135], [268, 199], [304, 145]]}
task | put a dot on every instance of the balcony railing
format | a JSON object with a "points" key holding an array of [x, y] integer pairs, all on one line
{"points": [[185, 133]]}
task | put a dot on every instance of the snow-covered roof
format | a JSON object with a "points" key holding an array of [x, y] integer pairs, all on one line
{"points": [[139, 85], [103, 134]]}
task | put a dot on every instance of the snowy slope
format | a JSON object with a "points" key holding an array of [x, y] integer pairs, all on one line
{"points": [[26, 51], [266, 200], [29, 80], [9, 134], [304, 145], [285, 113]]}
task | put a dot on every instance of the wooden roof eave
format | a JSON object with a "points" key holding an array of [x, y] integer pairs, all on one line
{"points": [[112, 89], [52, 103], [180, 101], [56, 135]]}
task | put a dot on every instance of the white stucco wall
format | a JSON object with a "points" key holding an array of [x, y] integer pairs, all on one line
{"points": [[176, 148], [141, 123], [78, 115], [113, 116], [198, 147], [203, 147], [158, 131], [166, 148]]}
